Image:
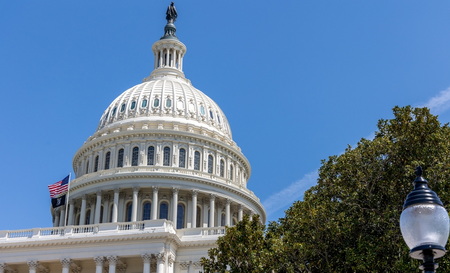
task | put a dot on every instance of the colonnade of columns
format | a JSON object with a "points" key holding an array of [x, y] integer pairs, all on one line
{"points": [[151, 263], [186, 208], [169, 57]]}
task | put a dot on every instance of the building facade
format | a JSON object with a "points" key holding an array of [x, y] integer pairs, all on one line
{"points": [[155, 185]]}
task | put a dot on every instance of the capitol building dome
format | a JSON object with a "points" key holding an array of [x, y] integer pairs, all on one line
{"points": [[155, 185]]}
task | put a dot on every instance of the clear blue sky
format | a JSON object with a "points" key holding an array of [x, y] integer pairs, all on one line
{"points": [[299, 80]]}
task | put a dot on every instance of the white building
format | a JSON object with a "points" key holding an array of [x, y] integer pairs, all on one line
{"points": [[155, 184]]}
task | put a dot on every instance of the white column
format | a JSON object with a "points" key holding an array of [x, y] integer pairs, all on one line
{"points": [[112, 264], [227, 213], [174, 206], [56, 222], [91, 207], [32, 266], [62, 216], [155, 203], [106, 209], [194, 208], [66, 265], [115, 206], [99, 264], [212, 200], [71, 209], [135, 204], [83, 211], [240, 213], [98, 207], [146, 258], [205, 214], [160, 263]]}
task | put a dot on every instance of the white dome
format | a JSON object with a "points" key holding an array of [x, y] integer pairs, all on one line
{"points": [[165, 99]]}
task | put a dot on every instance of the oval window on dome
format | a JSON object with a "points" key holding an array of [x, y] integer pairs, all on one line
{"points": [[180, 105], [202, 110], [211, 114], [156, 102], [133, 105], [168, 102], [218, 118], [122, 108], [144, 103], [114, 111]]}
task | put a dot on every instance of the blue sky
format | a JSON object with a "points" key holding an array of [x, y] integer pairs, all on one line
{"points": [[299, 80]]}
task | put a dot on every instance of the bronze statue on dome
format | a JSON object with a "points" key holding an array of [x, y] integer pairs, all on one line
{"points": [[171, 13]]}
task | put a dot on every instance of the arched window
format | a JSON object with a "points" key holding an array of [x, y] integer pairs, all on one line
{"points": [[222, 168], [197, 160], [168, 102], [128, 212], [180, 216], [122, 108], [198, 221], [166, 160], [231, 172], [120, 158], [164, 211], [144, 103], [107, 160], [146, 209], [96, 164], [87, 167], [135, 156], [151, 155], [182, 158], [210, 163], [133, 105], [156, 102]]}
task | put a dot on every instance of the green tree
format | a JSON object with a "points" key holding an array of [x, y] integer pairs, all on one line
{"points": [[243, 248], [349, 221]]}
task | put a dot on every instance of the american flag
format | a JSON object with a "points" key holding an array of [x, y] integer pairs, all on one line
{"points": [[59, 188]]}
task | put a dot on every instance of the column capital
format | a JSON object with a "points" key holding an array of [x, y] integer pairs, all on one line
{"points": [[83, 197], [33, 264], [146, 257], [171, 259], [194, 192], [113, 260], [175, 190], [155, 189], [160, 257], [99, 260], [99, 193], [66, 262], [3, 267], [212, 196], [228, 201], [136, 189], [116, 190]]}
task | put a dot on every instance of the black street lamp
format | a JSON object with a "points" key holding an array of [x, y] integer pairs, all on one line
{"points": [[424, 224]]}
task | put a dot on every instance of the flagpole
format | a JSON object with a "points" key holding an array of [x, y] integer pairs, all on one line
{"points": [[67, 200]]}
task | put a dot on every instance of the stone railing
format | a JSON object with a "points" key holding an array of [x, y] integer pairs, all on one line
{"points": [[108, 229]]}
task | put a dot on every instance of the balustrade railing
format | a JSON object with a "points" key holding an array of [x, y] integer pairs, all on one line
{"points": [[108, 229]]}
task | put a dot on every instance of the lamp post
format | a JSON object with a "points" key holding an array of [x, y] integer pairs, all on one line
{"points": [[424, 224]]}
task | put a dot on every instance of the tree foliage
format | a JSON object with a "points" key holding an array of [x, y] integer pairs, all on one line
{"points": [[349, 221], [243, 248]]}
